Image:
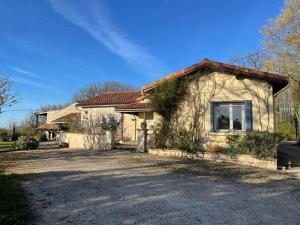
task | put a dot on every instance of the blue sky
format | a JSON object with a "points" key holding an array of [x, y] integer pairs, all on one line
{"points": [[50, 48]]}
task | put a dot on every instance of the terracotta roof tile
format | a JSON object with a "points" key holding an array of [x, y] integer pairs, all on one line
{"points": [[48, 127], [137, 107], [112, 98], [274, 78]]}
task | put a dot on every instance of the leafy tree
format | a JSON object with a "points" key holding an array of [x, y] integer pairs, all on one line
{"points": [[165, 97], [92, 90], [281, 54], [282, 41]]}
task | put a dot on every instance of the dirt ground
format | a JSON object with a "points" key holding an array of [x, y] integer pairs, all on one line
{"points": [[121, 187]]}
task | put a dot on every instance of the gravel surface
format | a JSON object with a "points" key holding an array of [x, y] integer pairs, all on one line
{"points": [[121, 187]]}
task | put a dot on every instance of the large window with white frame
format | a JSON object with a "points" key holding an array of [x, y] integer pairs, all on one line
{"points": [[229, 116]]}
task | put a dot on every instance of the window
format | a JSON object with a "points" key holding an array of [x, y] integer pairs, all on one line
{"points": [[229, 116]]}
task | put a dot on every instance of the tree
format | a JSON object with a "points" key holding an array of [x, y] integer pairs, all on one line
{"points": [[7, 96], [282, 42], [255, 60], [92, 90]]}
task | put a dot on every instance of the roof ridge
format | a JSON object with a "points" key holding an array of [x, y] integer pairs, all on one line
{"points": [[219, 65]]}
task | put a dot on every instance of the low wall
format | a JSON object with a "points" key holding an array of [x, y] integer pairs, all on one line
{"points": [[242, 159], [88, 141]]}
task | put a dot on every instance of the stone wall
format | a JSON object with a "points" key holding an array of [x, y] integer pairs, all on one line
{"points": [[242, 159], [88, 141]]}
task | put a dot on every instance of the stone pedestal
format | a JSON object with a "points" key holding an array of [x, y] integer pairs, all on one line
{"points": [[142, 145]]}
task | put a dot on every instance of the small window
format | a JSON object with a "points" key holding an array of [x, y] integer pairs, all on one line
{"points": [[229, 116]]}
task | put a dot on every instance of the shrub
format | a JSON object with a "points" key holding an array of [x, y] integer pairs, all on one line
{"points": [[262, 144], [233, 140], [25, 143], [161, 132], [184, 141], [287, 130], [175, 137], [41, 137]]}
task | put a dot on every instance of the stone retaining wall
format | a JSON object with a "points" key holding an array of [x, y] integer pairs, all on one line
{"points": [[88, 141], [242, 159]]}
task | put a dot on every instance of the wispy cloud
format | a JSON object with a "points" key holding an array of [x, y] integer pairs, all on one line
{"points": [[37, 81], [95, 18], [31, 82], [161, 8], [25, 72]]}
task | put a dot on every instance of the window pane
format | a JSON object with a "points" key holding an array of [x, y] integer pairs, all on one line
{"points": [[237, 117], [222, 117]]}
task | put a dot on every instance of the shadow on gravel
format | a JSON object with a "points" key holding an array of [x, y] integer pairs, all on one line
{"points": [[113, 196], [130, 188]]}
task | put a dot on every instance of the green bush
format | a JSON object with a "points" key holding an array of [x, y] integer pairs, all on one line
{"points": [[41, 137], [168, 137], [162, 132], [184, 141], [262, 144], [25, 143], [287, 130], [234, 142]]}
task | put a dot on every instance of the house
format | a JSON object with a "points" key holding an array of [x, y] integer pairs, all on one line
{"points": [[218, 98], [105, 104], [54, 120]]}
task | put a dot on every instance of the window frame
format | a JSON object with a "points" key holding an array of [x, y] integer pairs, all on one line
{"points": [[230, 104]]}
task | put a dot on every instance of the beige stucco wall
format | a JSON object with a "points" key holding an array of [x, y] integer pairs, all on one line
{"points": [[218, 86], [94, 113], [88, 141], [129, 127], [129, 121], [55, 114]]}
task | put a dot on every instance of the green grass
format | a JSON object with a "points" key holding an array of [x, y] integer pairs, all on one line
{"points": [[5, 145], [14, 209]]}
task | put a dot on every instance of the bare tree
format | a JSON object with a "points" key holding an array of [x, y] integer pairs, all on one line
{"points": [[93, 90], [7, 96], [255, 60]]}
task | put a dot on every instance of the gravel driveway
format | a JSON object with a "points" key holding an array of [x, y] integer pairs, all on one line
{"points": [[121, 187]]}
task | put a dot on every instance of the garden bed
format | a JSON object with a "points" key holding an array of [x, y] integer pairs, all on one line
{"points": [[243, 159]]}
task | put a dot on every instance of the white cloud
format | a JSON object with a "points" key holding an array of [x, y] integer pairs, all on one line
{"points": [[31, 82], [22, 71], [161, 8], [94, 17]]}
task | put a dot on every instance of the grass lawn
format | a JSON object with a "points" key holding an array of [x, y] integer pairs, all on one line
{"points": [[5, 145], [14, 209]]}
